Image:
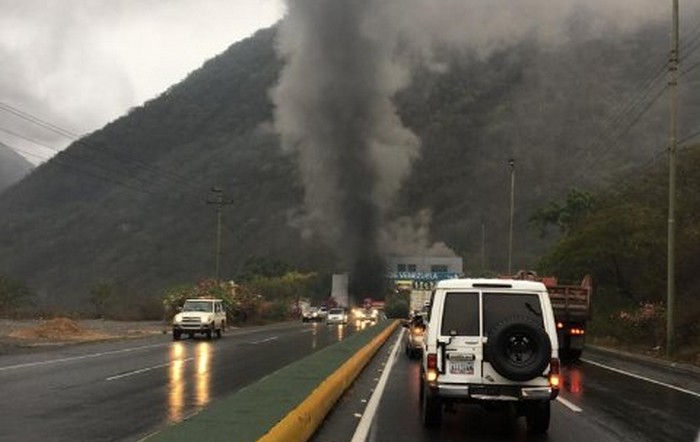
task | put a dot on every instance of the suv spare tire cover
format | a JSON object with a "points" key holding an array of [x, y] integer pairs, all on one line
{"points": [[518, 348]]}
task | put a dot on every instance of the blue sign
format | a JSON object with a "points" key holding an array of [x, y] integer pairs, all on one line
{"points": [[423, 276]]}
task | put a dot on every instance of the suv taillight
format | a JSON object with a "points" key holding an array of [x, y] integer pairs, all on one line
{"points": [[554, 373], [431, 373]]}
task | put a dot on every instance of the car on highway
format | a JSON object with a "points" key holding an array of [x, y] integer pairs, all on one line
{"points": [[414, 336], [200, 316], [337, 315], [313, 314], [491, 342], [309, 314]]}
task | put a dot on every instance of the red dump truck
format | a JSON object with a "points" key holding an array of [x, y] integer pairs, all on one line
{"points": [[572, 310]]}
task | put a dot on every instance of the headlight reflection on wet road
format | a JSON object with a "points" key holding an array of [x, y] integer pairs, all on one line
{"points": [[176, 387], [203, 374], [178, 378]]}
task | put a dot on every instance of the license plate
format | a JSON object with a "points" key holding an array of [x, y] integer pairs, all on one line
{"points": [[462, 367]]}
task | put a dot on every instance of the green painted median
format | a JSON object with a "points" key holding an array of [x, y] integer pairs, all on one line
{"points": [[253, 411]]}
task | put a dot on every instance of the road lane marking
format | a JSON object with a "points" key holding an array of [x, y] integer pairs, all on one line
{"points": [[77, 358], [363, 427], [643, 378], [143, 370], [274, 338], [570, 405]]}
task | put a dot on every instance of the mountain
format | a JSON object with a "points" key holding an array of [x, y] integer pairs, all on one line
{"points": [[133, 203], [13, 167]]}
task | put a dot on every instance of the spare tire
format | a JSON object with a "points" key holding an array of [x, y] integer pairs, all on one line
{"points": [[518, 348]]}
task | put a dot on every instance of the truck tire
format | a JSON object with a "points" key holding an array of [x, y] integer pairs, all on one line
{"points": [[518, 349], [176, 335]]}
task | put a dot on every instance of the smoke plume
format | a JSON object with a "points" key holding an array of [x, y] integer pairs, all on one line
{"points": [[334, 110], [344, 62]]}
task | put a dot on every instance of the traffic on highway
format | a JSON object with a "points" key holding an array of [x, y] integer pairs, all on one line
{"points": [[127, 391]]}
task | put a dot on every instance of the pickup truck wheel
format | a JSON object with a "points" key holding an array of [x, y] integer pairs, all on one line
{"points": [[431, 408], [176, 335], [209, 333], [518, 349], [220, 331], [537, 417]]}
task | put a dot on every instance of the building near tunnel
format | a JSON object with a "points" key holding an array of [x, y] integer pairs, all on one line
{"points": [[422, 272]]}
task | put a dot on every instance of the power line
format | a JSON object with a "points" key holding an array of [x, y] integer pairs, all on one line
{"points": [[70, 155], [156, 171]]}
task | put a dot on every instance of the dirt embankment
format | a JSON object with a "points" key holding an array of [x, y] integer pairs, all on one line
{"points": [[37, 333]]}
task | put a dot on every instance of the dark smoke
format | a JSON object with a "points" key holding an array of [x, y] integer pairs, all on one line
{"points": [[331, 105], [344, 62]]}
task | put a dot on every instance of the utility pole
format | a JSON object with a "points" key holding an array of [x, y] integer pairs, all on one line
{"points": [[673, 135], [511, 166], [483, 245], [218, 201]]}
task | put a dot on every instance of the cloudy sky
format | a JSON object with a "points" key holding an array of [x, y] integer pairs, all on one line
{"points": [[78, 64]]}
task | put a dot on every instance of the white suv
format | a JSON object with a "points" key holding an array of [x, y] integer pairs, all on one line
{"points": [[201, 315], [492, 342]]}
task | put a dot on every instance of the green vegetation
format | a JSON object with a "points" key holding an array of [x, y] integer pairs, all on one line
{"points": [[397, 305], [259, 299], [15, 297], [621, 241]]}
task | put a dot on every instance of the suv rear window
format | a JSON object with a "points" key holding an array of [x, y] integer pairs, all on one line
{"points": [[461, 314], [500, 306]]}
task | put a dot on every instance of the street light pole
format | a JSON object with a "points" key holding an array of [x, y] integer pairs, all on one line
{"points": [[511, 166]]}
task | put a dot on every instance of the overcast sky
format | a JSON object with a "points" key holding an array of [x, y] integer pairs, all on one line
{"points": [[79, 64]]}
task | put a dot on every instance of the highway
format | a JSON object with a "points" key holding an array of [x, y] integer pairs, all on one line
{"points": [[604, 398], [123, 391]]}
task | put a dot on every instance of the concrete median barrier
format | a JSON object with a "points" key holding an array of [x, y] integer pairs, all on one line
{"points": [[289, 404]]}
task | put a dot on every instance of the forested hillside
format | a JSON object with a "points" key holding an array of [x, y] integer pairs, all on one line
{"points": [[128, 203], [13, 167]]}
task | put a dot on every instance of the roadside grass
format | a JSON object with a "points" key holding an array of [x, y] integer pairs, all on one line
{"points": [[640, 327]]}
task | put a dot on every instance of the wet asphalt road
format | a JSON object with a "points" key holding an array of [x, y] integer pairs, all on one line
{"points": [[597, 403], [127, 390], [123, 391]]}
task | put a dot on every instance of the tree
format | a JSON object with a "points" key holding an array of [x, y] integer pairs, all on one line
{"points": [[14, 295], [567, 216]]}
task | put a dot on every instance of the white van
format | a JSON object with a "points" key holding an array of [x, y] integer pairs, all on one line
{"points": [[492, 342]]}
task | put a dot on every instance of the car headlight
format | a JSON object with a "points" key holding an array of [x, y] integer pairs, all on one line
{"points": [[177, 319]]}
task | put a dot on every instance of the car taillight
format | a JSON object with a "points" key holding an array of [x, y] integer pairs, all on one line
{"points": [[431, 373], [577, 331], [554, 373]]}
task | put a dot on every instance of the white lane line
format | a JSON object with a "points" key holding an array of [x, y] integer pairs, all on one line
{"points": [[77, 358], [653, 381], [143, 370], [368, 416], [274, 338], [570, 405]]}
